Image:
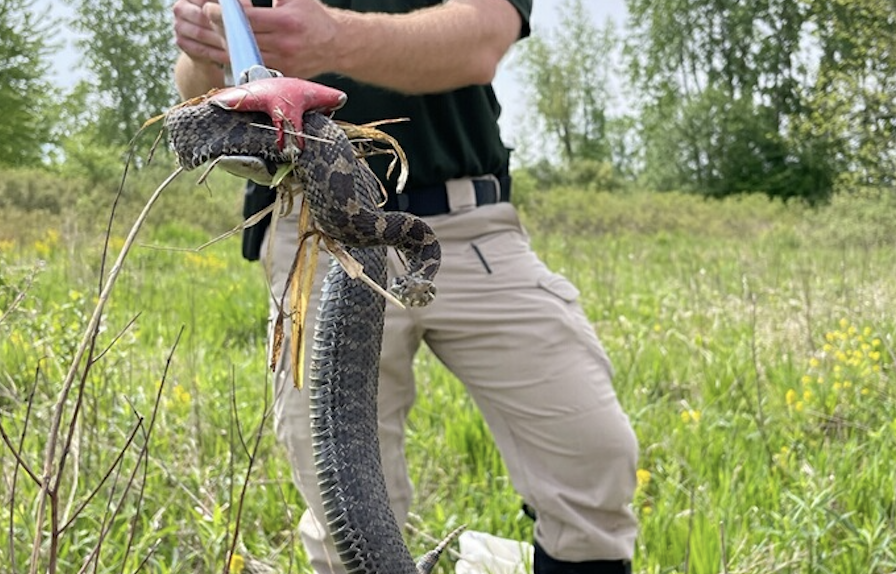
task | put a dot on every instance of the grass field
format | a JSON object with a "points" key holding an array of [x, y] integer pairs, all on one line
{"points": [[754, 351]]}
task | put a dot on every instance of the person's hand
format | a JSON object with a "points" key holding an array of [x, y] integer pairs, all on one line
{"points": [[297, 37], [198, 31]]}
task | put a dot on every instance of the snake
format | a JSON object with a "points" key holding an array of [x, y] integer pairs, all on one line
{"points": [[342, 192]]}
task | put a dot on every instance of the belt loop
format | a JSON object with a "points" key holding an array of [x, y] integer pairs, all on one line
{"points": [[461, 194]]}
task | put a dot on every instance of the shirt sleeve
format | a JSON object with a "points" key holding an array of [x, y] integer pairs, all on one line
{"points": [[524, 7]]}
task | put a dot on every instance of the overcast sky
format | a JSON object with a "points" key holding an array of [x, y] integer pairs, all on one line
{"points": [[544, 17]]}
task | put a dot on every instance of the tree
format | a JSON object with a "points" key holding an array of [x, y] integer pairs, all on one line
{"points": [[130, 53], [788, 98], [567, 79], [25, 95], [852, 102]]}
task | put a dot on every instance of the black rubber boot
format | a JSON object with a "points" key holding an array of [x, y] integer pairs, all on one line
{"points": [[544, 564]]}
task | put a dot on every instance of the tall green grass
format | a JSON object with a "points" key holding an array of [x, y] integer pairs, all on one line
{"points": [[753, 346]]}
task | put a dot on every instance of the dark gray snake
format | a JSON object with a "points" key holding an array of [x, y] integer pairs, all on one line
{"points": [[341, 193]]}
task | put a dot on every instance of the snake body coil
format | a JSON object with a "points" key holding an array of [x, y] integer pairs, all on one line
{"points": [[341, 192]]}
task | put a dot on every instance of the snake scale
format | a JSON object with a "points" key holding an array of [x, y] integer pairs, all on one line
{"points": [[341, 192]]}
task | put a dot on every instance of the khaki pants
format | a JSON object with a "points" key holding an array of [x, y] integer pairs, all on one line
{"points": [[513, 332]]}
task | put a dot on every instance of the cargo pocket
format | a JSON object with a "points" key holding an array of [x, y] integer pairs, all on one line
{"points": [[559, 286]]}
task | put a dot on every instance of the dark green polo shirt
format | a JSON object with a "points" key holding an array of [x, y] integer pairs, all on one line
{"points": [[448, 135]]}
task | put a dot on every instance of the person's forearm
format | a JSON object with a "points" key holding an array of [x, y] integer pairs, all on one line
{"points": [[449, 46], [195, 78]]}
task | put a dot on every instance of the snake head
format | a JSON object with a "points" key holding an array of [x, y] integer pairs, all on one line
{"points": [[284, 100]]}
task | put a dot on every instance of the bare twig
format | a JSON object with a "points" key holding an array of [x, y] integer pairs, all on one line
{"points": [[68, 383], [259, 433], [235, 411], [115, 339], [20, 296], [18, 455], [109, 518], [15, 472], [133, 529], [149, 555], [147, 435], [143, 455], [253, 220], [121, 452]]}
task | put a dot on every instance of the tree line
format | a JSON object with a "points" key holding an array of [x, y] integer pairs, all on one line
{"points": [[791, 98]]}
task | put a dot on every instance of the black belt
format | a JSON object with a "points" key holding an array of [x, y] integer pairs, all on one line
{"points": [[421, 201], [433, 199]]}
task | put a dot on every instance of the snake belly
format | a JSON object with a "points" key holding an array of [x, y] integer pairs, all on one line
{"points": [[341, 192], [344, 371]]}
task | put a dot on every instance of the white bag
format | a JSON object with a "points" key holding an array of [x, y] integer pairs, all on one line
{"points": [[483, 553]]}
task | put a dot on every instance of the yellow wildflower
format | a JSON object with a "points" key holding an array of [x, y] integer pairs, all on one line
{"points": [[806, 379], [237, 563], [790, 397], [690, 415], [643, 476], [181, 395], [16, 339], [798, 406], [844, 323], [116, 243], [42, 248], [807, 395], [813, 362], [206, 261]]}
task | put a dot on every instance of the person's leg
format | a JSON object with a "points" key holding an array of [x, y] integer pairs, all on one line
{"points": [[291, 408], [515, 334]]}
